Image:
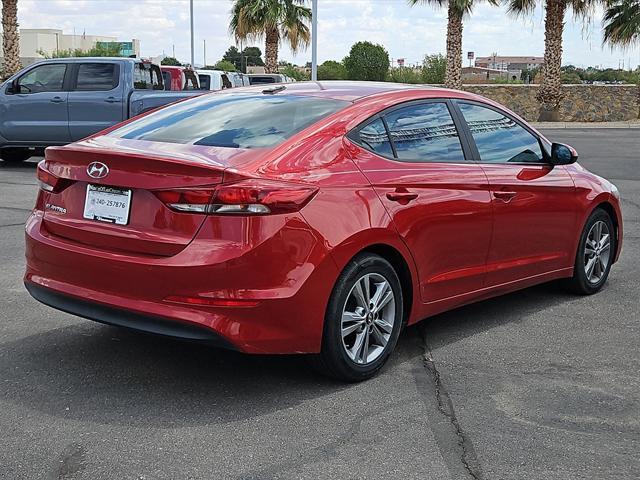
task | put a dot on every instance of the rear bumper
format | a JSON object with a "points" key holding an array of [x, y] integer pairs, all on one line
{"points": [[127, 319], [285, 277]]}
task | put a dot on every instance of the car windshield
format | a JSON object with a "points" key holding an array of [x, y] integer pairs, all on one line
{"points": [[232, 120]]}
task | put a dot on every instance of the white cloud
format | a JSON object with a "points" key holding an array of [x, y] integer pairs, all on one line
{"points": [[406, 32]]}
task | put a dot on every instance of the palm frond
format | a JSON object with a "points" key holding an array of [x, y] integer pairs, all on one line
{"points": [[621, 23]]}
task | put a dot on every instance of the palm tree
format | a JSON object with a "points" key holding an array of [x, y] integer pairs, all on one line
{"points": [[550, 92], [456, 10], [621, 24], [275, 20], [10, 37]]}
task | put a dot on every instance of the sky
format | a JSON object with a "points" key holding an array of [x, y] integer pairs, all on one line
{"points": [[406, 32]]}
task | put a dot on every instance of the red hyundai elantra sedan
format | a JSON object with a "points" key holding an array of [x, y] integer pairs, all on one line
{"points": [[313, 218]]}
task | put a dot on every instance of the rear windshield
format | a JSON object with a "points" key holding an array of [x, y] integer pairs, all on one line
{"points": [[232, 120]]}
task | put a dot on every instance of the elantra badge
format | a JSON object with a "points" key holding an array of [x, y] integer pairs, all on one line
{"points": [[97, 170]]}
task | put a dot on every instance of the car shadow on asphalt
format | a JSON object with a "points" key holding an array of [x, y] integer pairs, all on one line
{"points": [[92, 372]]}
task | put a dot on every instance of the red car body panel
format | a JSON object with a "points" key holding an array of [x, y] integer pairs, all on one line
{"points": [[454, 244]]}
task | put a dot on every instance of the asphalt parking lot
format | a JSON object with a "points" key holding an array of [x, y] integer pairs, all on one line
{"points": [[539, 384]]}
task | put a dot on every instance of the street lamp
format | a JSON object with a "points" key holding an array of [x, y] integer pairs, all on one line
{"points": [[314, 40], [192, 49]]}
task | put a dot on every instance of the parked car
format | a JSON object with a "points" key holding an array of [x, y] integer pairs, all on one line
{"points": [[214, 79], [239, 79], [179, 78], [316, 217], [266, 78], [62, 100]]}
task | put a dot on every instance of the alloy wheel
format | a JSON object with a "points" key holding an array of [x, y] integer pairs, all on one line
{"points": [[597, 252], [368, 317]]}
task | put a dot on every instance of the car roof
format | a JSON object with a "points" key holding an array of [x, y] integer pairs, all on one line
{"points": [[90, 59], [353, 90]]}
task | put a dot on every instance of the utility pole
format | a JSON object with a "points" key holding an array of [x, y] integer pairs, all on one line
{"points": [[191, 15], [204, 55], [314, 40]]}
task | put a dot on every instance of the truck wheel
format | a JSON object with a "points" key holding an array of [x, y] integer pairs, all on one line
{"points": [[15, 155]]}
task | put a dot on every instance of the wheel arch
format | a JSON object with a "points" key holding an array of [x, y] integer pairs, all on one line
{"points": [[608, 207]]}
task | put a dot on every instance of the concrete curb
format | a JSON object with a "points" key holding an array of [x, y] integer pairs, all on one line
{"points": [[585, 125]]}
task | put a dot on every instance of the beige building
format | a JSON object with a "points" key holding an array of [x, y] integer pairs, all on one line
{"points": [[497, 62], [49, 40]]}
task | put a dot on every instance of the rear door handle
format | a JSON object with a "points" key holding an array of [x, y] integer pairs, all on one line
{"points": [[402, 197], [505, 196], [112, 100], [57, 100]]}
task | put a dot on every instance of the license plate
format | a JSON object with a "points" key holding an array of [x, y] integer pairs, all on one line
{"points": [[107, 204]]}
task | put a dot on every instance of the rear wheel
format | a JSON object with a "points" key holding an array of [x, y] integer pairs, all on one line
{"points": [[595, 255], [15, 155], [363, 320]]}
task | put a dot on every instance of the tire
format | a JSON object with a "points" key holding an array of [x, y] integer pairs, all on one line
{"points": [[15, 155], [375, 330], [586, 280]]}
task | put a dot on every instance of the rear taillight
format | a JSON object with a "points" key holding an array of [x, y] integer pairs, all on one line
{"points": [[246, 197], [49, 182]]}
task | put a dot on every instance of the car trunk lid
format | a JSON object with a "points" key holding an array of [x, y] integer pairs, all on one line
{"points": [[128, 174]]}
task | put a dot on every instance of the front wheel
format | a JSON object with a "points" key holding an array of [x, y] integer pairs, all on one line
{"points": [[595, 255], [363, 320]]}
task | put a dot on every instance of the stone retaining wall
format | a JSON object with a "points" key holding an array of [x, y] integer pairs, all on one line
{"points": [[581, 103]]}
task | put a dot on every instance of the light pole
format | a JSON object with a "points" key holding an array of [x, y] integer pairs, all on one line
{"points": [[191, 15], [314, 40]]}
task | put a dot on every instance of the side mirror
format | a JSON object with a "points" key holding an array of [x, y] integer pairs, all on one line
{"points": [[562, 154], [13, 87]]}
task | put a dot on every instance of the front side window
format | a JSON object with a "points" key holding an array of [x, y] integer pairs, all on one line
{"points": [[232, 120], [424, 133], [45, 78], [96, 77], [374, 137], [499, 138]]}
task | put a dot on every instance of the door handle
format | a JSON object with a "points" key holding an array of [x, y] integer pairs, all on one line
{"points": [[112, 100], [505, 196], [402, 197], [57, 100]]}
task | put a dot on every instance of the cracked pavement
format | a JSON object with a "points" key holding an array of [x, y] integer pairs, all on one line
{"points": [[539, 384]]}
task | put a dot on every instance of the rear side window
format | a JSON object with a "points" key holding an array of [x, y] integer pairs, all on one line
{"points": [[499, 138], [424, 133], [231, 120], [205, 82], [374, 137], [418, 132], [146, 77], [97, 77], [260, 80]]}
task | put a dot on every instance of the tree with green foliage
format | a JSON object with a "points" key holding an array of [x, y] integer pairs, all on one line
{"points": [[225, 65], [367, 61], [100, 50], [273, 20], [434, 69], [332, 70], [404, 75], [171, 61], [241, 59], [291, 71]]}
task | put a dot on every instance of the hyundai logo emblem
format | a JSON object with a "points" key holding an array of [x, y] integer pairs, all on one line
{"points": [[97, 170]]}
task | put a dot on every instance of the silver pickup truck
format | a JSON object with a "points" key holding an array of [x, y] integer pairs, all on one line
{"points": [[62, 100]]}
